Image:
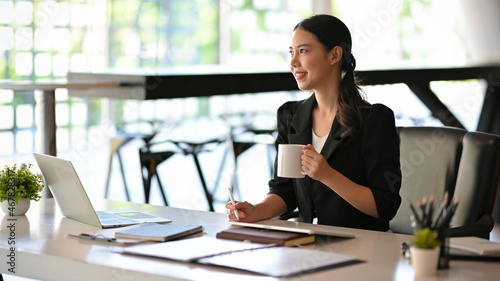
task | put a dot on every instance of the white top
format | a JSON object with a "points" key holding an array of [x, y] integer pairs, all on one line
{"points": [[318, 142]]}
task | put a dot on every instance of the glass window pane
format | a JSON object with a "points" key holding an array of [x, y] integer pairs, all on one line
{"points": [[7, 146], [45, 13], [62, 136], [463, 98], [7, 35], [23, 13], [60, 65], [6, 12], [407, 108], [43, 39], [24, 64], [61, 40], [79, 114], [6, 96], [61, 15], [62, 113], [43, 64], [24, 141], [24, 38], [7, 120], [78, 62], [79, 15], [24, 116]]}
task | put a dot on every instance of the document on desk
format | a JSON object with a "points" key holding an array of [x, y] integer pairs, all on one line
{"points": [[281, 261], [191, 250], [265, 259]]}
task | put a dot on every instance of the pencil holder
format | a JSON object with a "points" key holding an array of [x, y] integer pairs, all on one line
{"points": [[444, 251], [438, 221]]}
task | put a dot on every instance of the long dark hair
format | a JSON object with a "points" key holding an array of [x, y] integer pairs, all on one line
{"points": [[331, 32]]}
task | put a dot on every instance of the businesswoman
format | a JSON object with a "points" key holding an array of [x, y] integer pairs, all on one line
{"points": [[352, 154]]}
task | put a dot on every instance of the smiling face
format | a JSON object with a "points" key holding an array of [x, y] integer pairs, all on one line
{"points": [[311, 65]]}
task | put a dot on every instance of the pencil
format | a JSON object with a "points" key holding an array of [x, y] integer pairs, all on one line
{"points": [[415, 215], [440, 211], [428, 222], [450, 211]]}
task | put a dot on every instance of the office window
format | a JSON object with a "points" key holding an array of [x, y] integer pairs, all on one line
{"points": [[46, 39]]}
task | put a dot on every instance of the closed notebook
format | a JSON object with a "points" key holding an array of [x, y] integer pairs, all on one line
{"points": [[476, 245], [158, 232], [266, 236]]}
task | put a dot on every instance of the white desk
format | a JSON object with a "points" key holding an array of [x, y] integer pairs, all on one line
{"points": [[43, 252]]}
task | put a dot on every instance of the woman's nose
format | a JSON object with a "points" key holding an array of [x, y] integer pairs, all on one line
{"points": [[293, 61]]}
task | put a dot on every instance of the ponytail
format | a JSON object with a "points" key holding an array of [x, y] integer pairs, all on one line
{"points": [[331, 31], [350, 99]]}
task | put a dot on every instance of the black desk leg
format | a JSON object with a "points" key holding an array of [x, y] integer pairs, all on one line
{"points": [[203, 183]]}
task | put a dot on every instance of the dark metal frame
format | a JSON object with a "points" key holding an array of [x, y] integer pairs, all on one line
{"points": [[193, 84]]}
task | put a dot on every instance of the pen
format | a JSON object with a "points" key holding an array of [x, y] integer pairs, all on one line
{"points": [[232, 201], [94, 237]]}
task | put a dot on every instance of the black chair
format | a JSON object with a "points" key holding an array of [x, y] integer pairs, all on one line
{"points": [[186, 138], [246, 130], [116, 143], [241, 140], [435, 160], [149, 162]]}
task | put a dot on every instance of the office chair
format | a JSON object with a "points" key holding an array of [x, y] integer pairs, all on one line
{"points": [[435, 160]]}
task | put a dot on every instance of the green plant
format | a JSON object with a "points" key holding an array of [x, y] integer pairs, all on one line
{"points": [[17, 183], [426, 238]]}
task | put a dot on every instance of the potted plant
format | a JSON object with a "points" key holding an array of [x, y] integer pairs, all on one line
{"points": [[19, 185], [425, 251]]}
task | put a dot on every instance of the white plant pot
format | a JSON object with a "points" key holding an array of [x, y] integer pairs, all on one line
{"points": [[424, 261], [18, 209]]}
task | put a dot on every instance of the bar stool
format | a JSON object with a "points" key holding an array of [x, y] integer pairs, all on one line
{"points": [[243, 136], [116, 143], [149, 162], [194, 149], [188, 139]]}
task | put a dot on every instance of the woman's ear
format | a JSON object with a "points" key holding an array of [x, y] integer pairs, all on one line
{"points": [[336, 55]]}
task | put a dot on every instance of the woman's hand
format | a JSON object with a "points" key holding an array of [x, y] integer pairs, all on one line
{"points": [[270, 207], [314, 164], [246, 211]]}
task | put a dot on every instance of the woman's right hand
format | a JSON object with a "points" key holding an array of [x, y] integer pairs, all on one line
{"points": [[246, 211]]}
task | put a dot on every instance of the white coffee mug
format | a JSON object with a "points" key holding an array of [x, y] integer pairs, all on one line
{"points": [[289, 161]]}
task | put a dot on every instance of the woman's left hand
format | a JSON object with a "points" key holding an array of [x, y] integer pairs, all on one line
{"points": [[314, 164]]}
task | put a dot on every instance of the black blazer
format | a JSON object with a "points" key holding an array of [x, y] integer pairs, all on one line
{"points": [[370, 158]]}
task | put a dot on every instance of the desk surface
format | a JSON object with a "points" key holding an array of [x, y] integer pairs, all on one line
{"points": [[44, 252]]}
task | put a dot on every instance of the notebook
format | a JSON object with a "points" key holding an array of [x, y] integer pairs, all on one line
{"points": [[474, 248], [69, 193], [266, 236], [158, 232]]}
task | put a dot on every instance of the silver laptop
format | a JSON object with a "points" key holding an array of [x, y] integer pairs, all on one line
{"points": [[69, 193]]}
